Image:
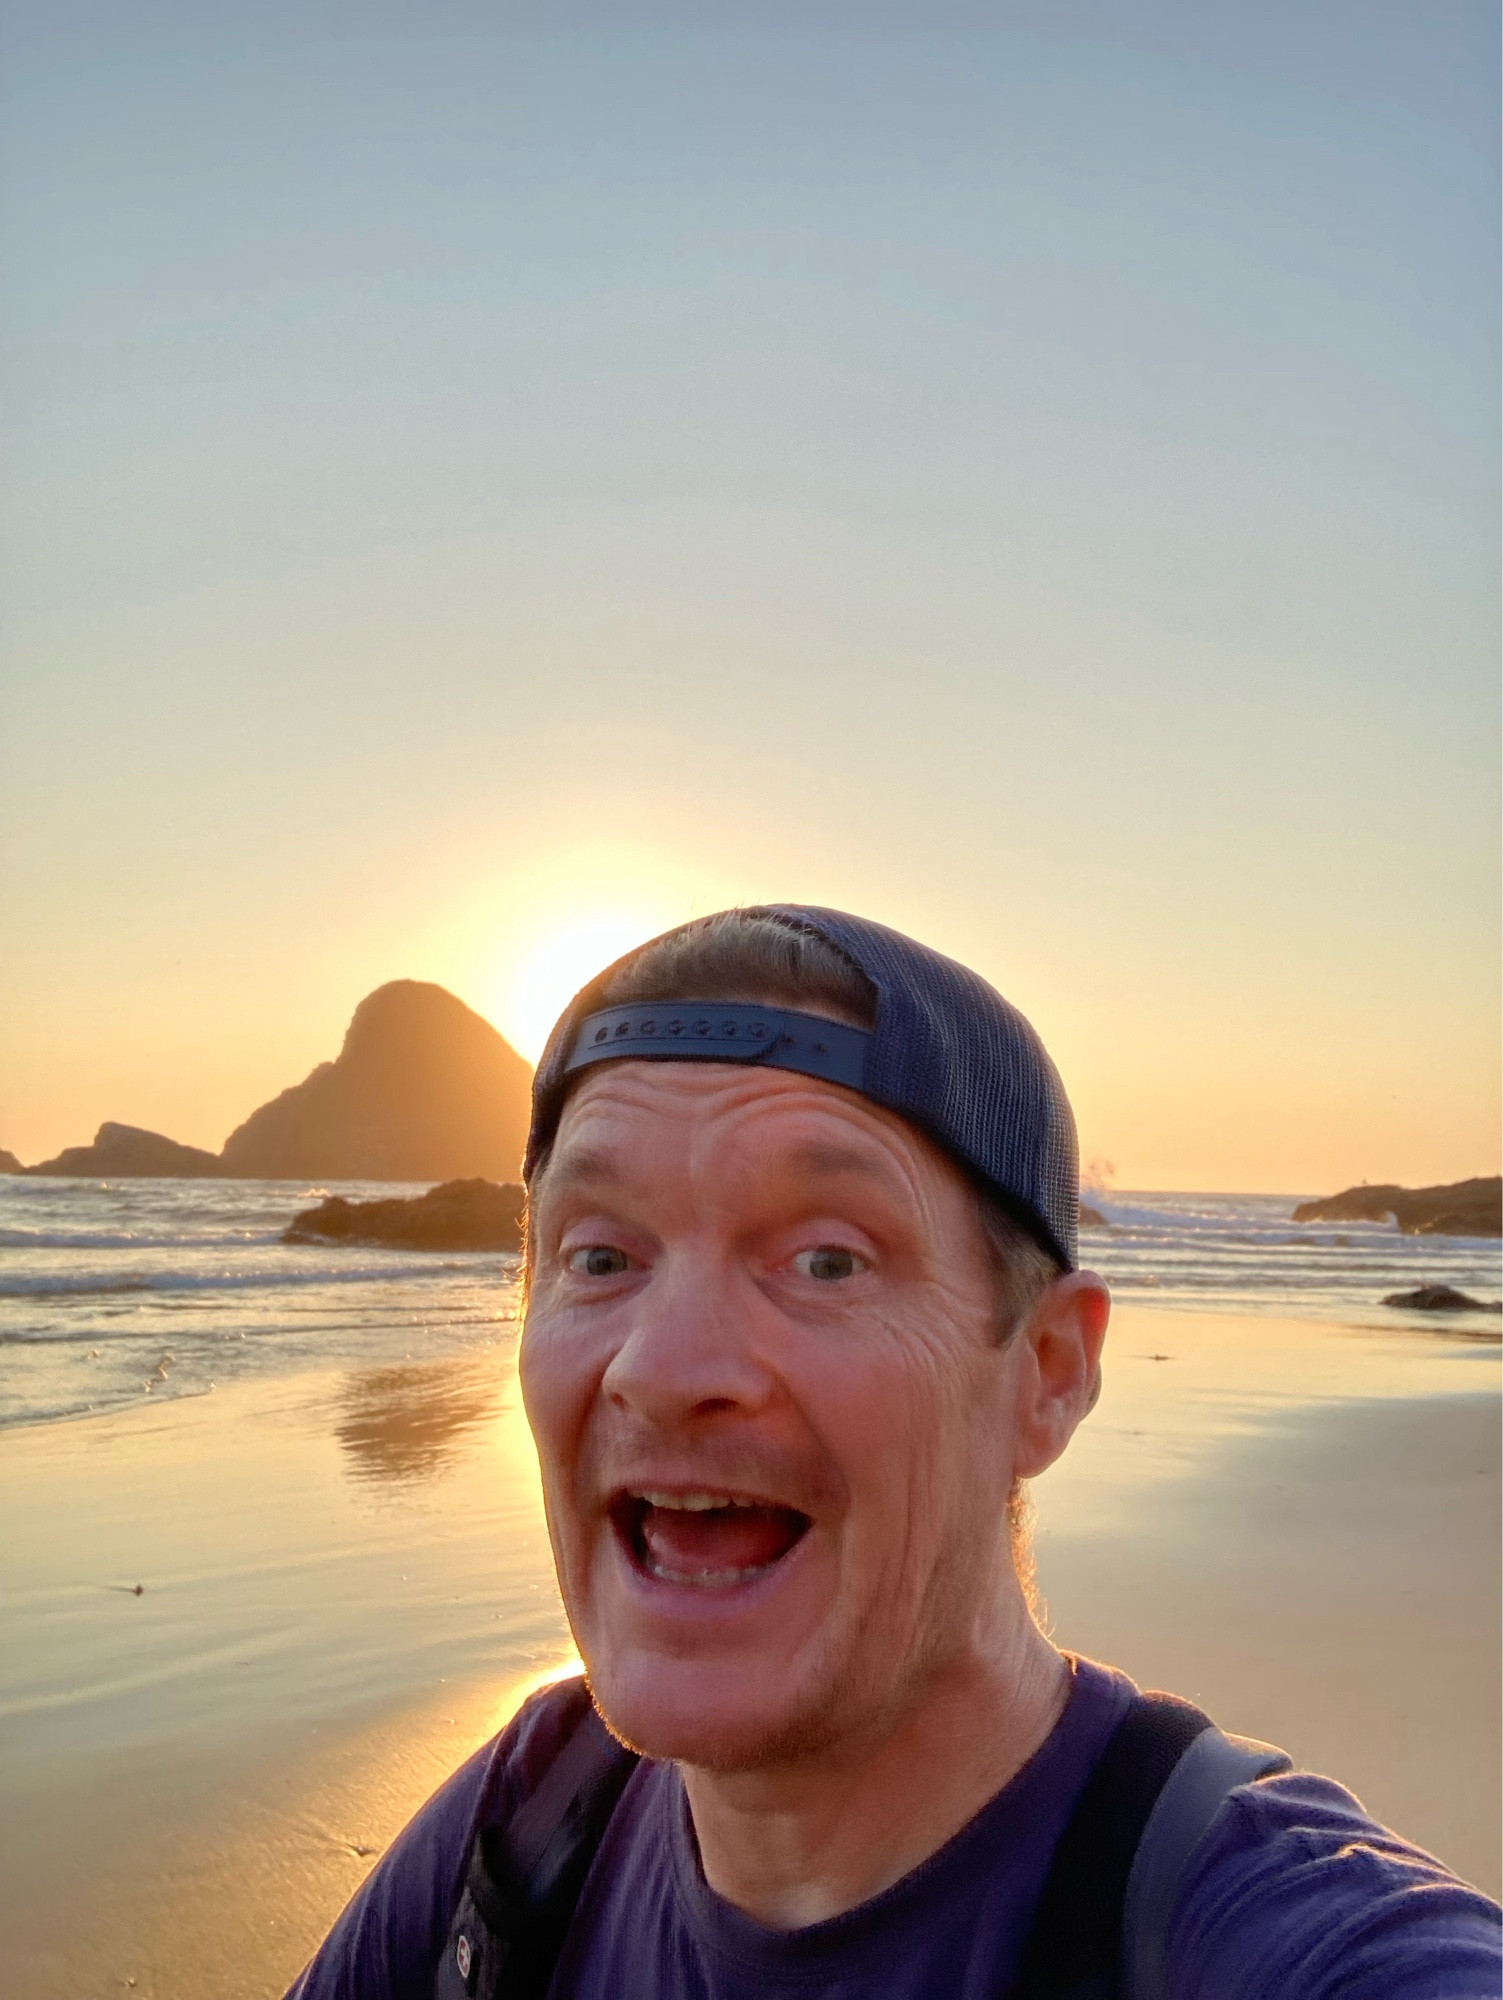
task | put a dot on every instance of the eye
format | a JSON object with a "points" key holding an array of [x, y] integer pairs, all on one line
{"points": [[599, 1260], [828, 1263]]}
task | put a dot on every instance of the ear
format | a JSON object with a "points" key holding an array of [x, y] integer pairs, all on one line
{"points": [[1059, 1368]]}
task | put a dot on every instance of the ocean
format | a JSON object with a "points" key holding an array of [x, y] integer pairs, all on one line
{"points": [[117, 1291]]}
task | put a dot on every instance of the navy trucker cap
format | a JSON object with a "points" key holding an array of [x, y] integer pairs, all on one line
{"points": [[946, 1052]]}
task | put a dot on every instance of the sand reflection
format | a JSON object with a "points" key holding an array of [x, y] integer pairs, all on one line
{"points": [[405, 1424]]}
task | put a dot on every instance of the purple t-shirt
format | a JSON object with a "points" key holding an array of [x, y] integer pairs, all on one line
{"points": [[1294, 1894]]}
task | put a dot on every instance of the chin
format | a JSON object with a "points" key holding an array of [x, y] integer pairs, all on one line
{"points": [[716, 1717]]}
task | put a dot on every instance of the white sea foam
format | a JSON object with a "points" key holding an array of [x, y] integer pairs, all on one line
{"points": [[1246, 1253], [105, 1283], [63, 1239]]}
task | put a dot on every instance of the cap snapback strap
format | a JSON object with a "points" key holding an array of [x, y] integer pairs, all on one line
{"points": [[719, 1031]]}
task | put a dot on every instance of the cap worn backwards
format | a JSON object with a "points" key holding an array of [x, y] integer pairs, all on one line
{"points": [[946, 1052]]}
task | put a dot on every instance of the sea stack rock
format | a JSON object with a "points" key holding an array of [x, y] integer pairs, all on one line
{"points": [[460, 1215], [9, 1164], [423, 1090], [1459, 1208], [1441, 1299], [126, 1152]]}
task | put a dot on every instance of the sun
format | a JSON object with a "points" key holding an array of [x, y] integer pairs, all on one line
{"points": [[550, 970]]}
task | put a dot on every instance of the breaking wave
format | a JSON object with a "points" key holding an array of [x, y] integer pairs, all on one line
{"points": [[102, 1284]]}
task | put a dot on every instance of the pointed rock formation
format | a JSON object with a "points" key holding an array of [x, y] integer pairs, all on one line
{"points": [[9, 1164], [423, 1090], [126, 1152]]}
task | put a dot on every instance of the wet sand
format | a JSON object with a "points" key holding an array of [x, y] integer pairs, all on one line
{"points": [[346, 1583]]}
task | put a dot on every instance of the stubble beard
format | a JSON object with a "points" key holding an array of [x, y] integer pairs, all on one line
{"points": [[845, 1706]]}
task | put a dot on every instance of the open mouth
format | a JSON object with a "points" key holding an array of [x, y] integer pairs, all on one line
{"points": [[709, 1540]]}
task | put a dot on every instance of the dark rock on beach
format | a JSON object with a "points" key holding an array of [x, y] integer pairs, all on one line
{"points": [[1441, 1298], [1092, 1218], [459, 1215], [9, 1164], [126, 1152], [423, 1090], [1461, 1208]]}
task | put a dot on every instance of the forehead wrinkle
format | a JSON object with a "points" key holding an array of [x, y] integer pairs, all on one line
{"points": [[753, 1110], [814, 1161], [806, 1168]]}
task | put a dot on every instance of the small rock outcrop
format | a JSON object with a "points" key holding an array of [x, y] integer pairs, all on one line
{"points": [[459, 1215], [1441, 1299], [423, 1090], [1092, 1218], [1460, 1208], [9, 1164], [126, 1152]]}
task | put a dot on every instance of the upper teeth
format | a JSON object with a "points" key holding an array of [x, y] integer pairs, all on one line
{"points": [[691, 1503]]}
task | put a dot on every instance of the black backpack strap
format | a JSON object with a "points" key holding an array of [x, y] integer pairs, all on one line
{"points": [[1101, 1928], [1075, 1944], [524, 1878]]}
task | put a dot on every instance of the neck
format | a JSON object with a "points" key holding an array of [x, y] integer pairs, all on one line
{"points": [[798, 1843]]}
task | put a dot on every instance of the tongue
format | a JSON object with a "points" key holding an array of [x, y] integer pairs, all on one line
{"points": [[722, 1538]]}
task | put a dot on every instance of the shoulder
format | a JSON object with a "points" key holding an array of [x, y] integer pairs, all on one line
{"points": [[1296, 1889], [390, 1935]]}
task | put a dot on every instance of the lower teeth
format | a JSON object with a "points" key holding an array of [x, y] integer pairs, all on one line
{"points": [[705, 1579]]}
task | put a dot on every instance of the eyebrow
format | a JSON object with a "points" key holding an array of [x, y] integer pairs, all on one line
{"points": [[578, 1167]]}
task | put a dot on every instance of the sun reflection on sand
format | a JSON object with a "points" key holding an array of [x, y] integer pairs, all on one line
{"points": [[410, 1422]]}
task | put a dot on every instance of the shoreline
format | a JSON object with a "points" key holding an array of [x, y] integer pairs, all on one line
{"points": [[347, 1584]]}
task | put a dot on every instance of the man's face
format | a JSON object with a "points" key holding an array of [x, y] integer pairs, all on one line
{"points": [[775, 1426]]}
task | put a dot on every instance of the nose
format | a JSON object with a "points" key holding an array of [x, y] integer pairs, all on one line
{"points": [[690, 1350]]}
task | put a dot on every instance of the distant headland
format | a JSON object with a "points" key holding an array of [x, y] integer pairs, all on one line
{"points": [[1459, 1208], [423, 1089], [126, 1152]]}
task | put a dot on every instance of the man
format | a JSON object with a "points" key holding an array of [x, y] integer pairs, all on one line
{"points": [[803, 1314]]}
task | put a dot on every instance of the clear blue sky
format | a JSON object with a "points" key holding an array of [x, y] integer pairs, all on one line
{"points": [[1031, 476]]}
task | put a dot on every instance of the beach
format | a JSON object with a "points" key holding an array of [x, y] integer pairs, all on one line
{"points": [[345, 1586]]}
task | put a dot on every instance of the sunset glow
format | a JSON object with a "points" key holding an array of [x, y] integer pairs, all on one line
{"points": [[1050, 510], [555, 964]]}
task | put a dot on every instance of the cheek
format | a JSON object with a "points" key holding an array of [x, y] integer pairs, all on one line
{"points": [[922, 1430], [556, 1387], [881, 1412]]}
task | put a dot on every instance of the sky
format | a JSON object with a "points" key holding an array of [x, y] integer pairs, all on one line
{"points": [[481, 484]]}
